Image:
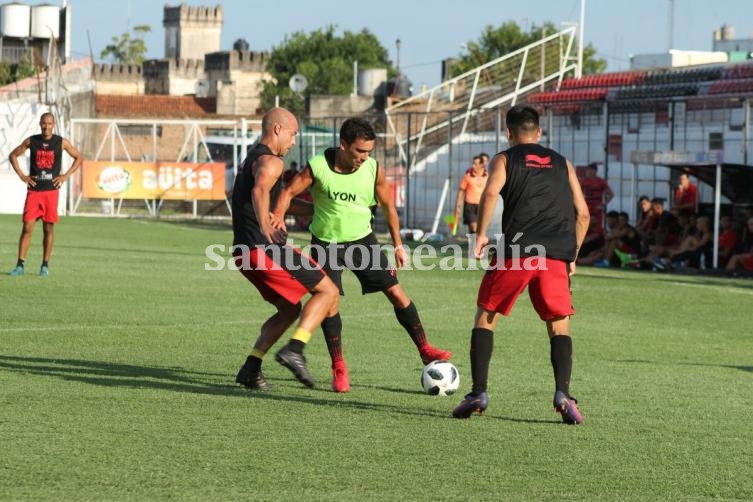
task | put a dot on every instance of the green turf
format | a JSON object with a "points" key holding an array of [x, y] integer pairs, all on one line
{"points": [[116, 383]]}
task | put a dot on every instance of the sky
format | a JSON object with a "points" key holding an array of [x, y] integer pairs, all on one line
{"points": [[429, 30]]}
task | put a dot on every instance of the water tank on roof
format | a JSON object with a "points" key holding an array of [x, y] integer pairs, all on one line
{"points": [[45, 21], [241, 45], [370, 81], [15, 20], [728, 32]]}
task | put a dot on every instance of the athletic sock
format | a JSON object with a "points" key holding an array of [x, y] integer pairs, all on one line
{"points": [[482, 343], [301, 335], [20, 263], [45, 264], [562, 361], [332, 328], [408, 319], [253, 363], [296, 346]]}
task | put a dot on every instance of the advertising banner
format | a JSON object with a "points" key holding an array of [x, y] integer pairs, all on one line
{"points": [[153, 180]]}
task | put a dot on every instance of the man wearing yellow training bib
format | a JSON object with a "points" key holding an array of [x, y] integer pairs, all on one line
{"points": [[346, 185]]}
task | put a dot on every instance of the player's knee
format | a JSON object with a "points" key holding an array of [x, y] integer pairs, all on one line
{"points": [[397, 296], [335, 308], [328, 288]]}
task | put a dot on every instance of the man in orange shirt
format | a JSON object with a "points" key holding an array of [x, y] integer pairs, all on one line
{"points": [[469, 194]]}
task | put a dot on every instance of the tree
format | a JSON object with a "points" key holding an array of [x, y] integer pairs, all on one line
{"points": [[127, 49], [325, 59], [12, 72], [496, 42]]}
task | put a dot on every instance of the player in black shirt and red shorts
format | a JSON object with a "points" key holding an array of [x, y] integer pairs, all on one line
{"points": [[43, 182], [544, 221], [281, 273]]}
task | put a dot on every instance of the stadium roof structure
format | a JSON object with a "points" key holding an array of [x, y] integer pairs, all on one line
{"points": [[640, 89], [734, 181]]}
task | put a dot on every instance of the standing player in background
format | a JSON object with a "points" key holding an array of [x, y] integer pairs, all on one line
{"points": [[43, 183], [597, 193], [469, 193], [346, 185], [545, 208], [686, 197], [280, 273]]}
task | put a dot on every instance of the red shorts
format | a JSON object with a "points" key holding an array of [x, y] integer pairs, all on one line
{"points": [[41, 204], [549, 289], [748, 263], [282, 274]]}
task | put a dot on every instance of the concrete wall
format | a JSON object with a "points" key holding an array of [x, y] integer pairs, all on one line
{"points": [[176, 77], [329, 106], [235, 78], [118, 79], [192, 32]]}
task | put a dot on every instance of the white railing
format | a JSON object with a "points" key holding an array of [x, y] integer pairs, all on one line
{"points": [[503, 81]]}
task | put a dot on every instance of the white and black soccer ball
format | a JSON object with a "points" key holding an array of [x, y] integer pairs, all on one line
{"points": [[440, 378]]}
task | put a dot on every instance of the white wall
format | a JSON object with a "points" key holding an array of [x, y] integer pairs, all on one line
{"points": [[17, 122]]}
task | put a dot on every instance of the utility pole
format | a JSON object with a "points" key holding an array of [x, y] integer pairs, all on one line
{"points": [[581, 28], [671, 25]]}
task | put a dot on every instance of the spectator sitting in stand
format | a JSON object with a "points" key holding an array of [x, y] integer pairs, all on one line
{"points": [[662, 237], [694, 250], [743, 260], [623, 242], [592, 249], [727, 239]]}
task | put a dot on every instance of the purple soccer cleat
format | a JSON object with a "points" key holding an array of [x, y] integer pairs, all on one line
{"points": [[473, 403], [567, 406]]}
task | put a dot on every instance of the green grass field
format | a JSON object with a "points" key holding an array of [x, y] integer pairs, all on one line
{"points": [[116, 383]]}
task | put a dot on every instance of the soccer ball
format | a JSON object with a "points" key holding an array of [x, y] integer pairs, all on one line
{"points": [[440, 378]]}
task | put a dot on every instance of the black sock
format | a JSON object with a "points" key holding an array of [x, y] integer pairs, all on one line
{"points": [[408, 319], [482, 343], [562, 361], [296, 346], [45, 264], [20, 263], [332, 328], [253, 363]]}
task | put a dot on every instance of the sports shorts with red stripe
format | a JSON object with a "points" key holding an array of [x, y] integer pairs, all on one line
{"points": [[278, 271], [547, 279]]}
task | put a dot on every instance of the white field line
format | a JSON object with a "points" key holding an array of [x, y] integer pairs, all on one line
{"points": [[717, 287]]}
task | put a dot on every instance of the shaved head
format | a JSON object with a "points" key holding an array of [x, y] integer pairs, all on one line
{"points": [[275, 116], [278, 130]]}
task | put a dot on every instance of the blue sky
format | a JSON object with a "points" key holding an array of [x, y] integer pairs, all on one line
{"points": [[429, 30]]}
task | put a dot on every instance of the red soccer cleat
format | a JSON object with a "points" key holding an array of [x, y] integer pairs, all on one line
{"points": [[429, 354], [340, 379]]}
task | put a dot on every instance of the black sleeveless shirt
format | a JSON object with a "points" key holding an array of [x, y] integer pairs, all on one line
{"points": [[246, 229], [538, 203], [45, 161]]}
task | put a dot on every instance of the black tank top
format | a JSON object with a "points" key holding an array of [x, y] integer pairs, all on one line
{"points": [[246, 229], [538, 203], [45, 161]]}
